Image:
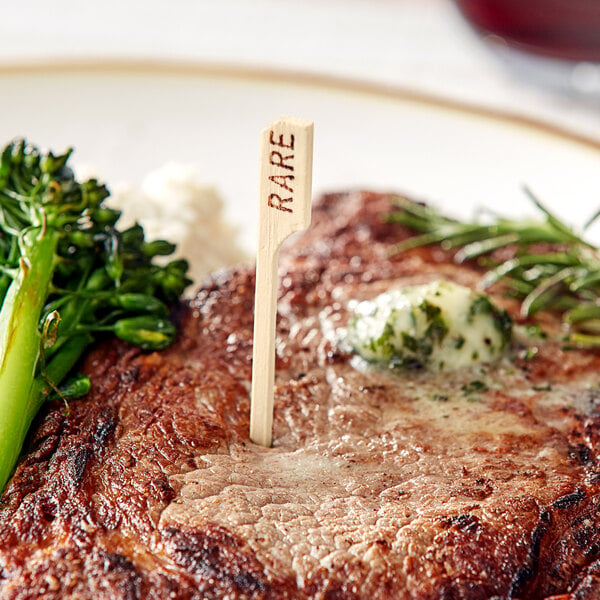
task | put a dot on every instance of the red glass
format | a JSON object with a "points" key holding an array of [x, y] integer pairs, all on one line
{"points": [[568, 29]]}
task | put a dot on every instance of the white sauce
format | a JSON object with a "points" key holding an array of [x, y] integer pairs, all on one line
{"points": [[440, 326]]}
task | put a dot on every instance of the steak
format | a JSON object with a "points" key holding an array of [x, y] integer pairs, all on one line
{"points": [[380, 484]]}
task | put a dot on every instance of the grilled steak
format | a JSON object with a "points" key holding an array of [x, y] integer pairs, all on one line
{"points": [[379, 484]]}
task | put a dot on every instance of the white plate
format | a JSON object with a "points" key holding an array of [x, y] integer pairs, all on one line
{"points": [[128, 119]]}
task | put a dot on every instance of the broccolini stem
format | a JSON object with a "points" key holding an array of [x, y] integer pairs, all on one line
{"points": [[58, 368], [20, 345]]}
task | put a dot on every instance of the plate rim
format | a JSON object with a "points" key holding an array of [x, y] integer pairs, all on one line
{"points": [[308, 79]]}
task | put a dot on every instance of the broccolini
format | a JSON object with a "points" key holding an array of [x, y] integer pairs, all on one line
{"points": [[67, 276]]}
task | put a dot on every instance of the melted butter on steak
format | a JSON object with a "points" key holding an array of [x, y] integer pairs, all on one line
{"points": [[385, 458], [379, 485]]}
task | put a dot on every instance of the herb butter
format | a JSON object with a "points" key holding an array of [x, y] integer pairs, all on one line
{"points": [[440, 326]]}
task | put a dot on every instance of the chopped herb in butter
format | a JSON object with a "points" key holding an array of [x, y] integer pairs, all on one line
{"points": [[440, 326]]}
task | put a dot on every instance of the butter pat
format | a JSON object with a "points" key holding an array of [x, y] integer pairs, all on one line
{"points": [[439, 326]]}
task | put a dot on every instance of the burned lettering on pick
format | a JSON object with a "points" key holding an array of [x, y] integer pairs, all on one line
{"points": [[276, 201], [281, 141], [281, 160], [282, 181]]}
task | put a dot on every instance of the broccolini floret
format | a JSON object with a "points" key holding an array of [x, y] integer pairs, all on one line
{"points": [[67, 276]]}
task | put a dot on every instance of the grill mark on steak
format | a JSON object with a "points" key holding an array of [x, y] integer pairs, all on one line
{"points": [[531, 568], [374, 489], [560, 566], [221, 561], [569, 500], [76, 464]]}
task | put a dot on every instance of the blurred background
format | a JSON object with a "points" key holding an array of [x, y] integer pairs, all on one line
{"points": [[423, 45]]}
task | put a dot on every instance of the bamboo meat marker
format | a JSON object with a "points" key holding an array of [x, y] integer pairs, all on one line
{"points": [[284, 207]]}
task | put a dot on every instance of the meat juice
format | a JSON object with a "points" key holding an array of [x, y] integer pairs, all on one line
{"points": [[568, 29]]}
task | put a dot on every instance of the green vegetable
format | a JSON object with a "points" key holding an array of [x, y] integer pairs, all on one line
{"points": [[553, 267], [67, 276]]}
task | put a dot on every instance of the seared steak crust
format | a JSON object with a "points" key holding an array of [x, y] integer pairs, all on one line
{"points": [[379, 484]]}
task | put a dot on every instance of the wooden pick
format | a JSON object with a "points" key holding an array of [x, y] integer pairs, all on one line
{"points": [[284, 207]]}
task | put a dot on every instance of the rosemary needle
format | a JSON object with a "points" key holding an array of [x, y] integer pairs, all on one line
{"points": [[552, 266]]}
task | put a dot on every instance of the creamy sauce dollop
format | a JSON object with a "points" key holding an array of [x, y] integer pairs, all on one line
{"points": [[440, 326]]}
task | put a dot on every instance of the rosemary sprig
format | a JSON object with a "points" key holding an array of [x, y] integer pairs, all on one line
{"points": [[552, 266]]}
